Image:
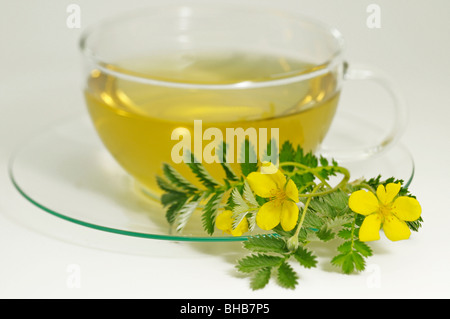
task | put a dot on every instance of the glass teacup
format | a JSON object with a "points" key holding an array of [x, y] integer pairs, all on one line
{"points": [[184, 78]]}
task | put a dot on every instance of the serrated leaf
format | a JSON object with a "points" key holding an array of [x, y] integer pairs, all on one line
{"points": [[307, 159], [171, 197], [325, 234], [305, 257], [185, 213], [345, 262], [339, 260], [287, 154], [323, 161], [177, 179], [286, 276], [239, 204], [333, 205], [222, 154], [210, 211], [362, 248], [345, 248], [201, 173], [358, 261], [266, 243], [173, 210], [258, 261], [241, 210], [248, 195], [248, 159], [274, 154], [345, 234], [261, 278], [303, 181], [349, 262], [166, 186], [251, 218]]}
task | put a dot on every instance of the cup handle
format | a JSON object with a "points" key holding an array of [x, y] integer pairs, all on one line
{"points": [[400, 115]]}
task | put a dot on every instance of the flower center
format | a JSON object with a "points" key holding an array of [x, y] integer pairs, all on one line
{"points": [[278, 196], [385, 209]]}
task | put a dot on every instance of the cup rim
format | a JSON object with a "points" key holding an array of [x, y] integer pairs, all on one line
{"points": [[335, 59]]}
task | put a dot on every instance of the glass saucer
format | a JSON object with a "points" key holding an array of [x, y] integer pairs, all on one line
{"points": [[66, 171]]}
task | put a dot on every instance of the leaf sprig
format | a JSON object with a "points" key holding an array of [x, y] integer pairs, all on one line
{"points": [[324, 212]]}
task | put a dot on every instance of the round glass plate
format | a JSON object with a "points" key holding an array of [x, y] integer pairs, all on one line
{"points": [[66, 171]]}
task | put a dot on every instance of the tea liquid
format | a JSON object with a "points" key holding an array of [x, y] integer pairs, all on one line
{"points": [[135, 120]]}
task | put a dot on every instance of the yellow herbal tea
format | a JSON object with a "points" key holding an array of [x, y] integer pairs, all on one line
{"points": [[136, 119]]}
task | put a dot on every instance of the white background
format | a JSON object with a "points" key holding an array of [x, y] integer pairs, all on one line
{"points": [[40, 83]]}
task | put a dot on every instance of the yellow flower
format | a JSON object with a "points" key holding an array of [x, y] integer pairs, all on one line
{"points": [[387, 210], [282, 195], [224, 221]]}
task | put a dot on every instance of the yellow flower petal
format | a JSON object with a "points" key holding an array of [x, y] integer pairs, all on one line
{"points": [[395, 229], [269, 215], [406, 208], [292, 191], [289, 215], [363, 202], [387, 195], [271, 170], [370, 228], [241, 228], [224, 221], [279, 179], [262, 184]]}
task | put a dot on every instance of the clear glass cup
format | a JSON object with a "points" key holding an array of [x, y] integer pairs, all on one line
{"points": [[151, 74]]}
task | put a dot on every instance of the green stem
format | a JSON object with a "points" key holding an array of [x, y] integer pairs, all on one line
{"points": [[302, 219], [315, 171], [312, 170], [353, 231]]}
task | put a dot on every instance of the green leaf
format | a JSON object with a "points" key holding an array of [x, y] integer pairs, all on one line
{"points": [[287, 154], [222, 153], [174, 208], [261, 278], [286, 276], [345, 234], [323, 161], [349, 262], [362, 248], [332, 205], [241, 209], [249, 196], [305, 257], [248, 159], [307, 159], [239, 204], [177, 179], [358, 261], [202, 174], [272, 148], [171, 197], [325, 234], [166, 186], [266, 243], [210, 211], [345, 248], [258, 261], [185, 212], [303, 181], [415, 225], [345, 262]]}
